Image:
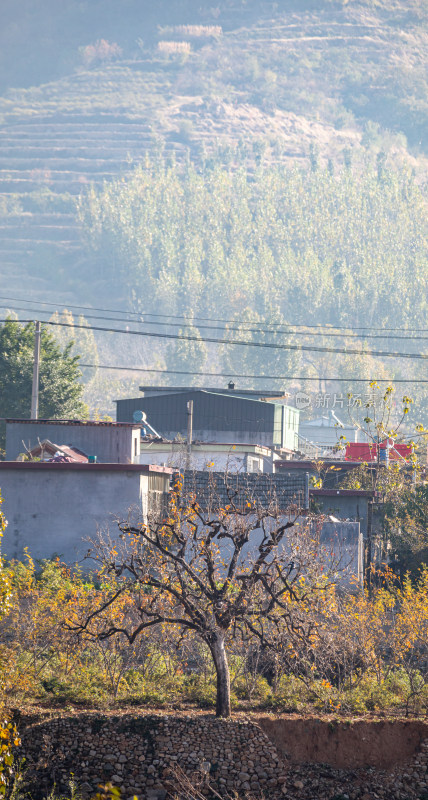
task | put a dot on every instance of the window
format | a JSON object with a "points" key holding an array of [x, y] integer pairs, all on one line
{"points": [[158, 495], [254, 464]]}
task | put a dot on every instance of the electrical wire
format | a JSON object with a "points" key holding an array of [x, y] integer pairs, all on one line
{"points": [[255, 377], [203, 319], [262, 331], [264, 345]]}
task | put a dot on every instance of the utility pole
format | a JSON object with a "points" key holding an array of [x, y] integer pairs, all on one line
{"points": [[35, 389], [189, 431]]}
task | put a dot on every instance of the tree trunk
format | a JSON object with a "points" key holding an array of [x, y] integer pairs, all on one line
{"points": [[218, 653]]}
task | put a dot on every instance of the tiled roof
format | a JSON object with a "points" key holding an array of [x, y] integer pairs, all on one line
{"points": [[69, 453], [216, 489]]}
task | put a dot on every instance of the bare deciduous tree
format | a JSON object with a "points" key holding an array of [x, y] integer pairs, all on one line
{"points": [[244, 568]]}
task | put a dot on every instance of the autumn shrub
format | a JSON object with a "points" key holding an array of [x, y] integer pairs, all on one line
{"points": [[291, 695], [369, 654], [202, 692], [160, 690], [9, 738], [369, 694], [256, 691]]}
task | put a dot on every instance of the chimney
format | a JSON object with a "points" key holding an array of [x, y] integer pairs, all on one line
{"points": [[231, 385]]}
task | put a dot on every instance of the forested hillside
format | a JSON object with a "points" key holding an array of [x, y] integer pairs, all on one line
{"points": [[240, 161], [322, 246]]}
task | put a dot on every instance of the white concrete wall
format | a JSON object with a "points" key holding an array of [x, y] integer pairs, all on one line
{"points": [[53, 511], [232, 461], [339, 549], [330, 435]]}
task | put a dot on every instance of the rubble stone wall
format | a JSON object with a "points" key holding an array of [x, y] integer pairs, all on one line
{"points": [[137, 754], [141, 754]]}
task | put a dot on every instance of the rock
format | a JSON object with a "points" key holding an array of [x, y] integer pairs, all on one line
{"points": [[155, 794], [85, 788]]}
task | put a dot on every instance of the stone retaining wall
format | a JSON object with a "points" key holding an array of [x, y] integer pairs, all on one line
{"points": [[137, 753], [140, 753]]}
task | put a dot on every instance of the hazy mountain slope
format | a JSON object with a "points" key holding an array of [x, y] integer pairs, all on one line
{"points": [[289, 77]]}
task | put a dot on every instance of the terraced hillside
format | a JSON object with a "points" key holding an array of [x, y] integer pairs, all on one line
{"points": [[44, 165], [320, 82]]}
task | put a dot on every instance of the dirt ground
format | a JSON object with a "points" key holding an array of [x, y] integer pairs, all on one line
{"points": [[345, 744]]}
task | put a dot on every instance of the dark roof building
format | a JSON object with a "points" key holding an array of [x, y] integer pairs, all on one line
{"points": [[255, 394], [217, 417]]}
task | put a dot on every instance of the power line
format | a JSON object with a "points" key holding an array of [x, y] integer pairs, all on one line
{"points": [[222, 374], [278, 330], [255, 377], [205, 319], [268, 345], [264, 345]]}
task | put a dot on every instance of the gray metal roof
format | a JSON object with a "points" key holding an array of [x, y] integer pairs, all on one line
{"points": [[211, 411], [256, 393]]}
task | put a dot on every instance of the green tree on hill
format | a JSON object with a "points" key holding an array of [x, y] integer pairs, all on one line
{"points": [[60, 391], [269, 328], [187, 356]]}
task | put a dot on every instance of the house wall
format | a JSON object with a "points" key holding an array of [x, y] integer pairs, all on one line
{"points": [[350, 506], [232, 460], [327, 434], [340, 549], [344, 545], [53, 509], [290, 427], [109, 443]]}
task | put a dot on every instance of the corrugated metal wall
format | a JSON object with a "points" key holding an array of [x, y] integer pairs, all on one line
{"points": [[211, 412]]}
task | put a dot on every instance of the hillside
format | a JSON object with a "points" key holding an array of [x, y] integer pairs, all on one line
{"points": [[332, 89], [322, 74]]}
